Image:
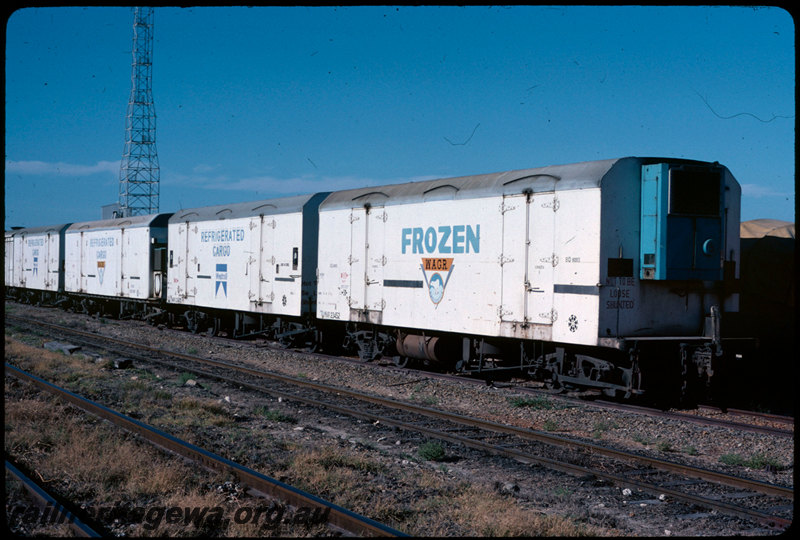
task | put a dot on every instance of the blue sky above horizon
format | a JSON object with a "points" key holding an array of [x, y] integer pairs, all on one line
{"points": [[262, 102]]}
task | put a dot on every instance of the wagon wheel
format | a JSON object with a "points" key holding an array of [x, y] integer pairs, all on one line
{"points": [[402, 361], [192, 321], [636, 380], [552, 383], [213, 328], [151, 316]]}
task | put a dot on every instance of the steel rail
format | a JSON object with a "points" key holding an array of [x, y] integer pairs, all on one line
{"points": [[338, 517], [701, 420], [708, 475], [525, 433], [637, 409], [529, 434], [55, 513], [569, 468], [566, 467], [772, 417]]}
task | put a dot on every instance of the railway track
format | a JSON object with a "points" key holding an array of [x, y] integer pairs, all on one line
{"points": [[775, 427], [768, 424], [753, 421], [768, 504], [52, 510], [339, 519], [756, 415]]}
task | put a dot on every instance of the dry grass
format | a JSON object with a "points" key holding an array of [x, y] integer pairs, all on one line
{"points": [[417, 498], [348, 477], [42, 360], [28, 517], [136, 391], [57, 367], [106, 469], [491, 514], [64, 445], [213, 514]]}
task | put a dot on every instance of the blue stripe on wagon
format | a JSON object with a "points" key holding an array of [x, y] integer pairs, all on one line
{"points": [[408, 283], [576, 289]]}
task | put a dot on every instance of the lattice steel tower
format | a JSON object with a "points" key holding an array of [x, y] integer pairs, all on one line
{"points": [[139, 173]]}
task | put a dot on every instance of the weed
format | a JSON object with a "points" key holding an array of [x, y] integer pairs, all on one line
{"points": [[419, 387], [602, 427], [732, 459], [562, 492], [186, 377], [134, 385], [429, 400], [162, 395], [144, 374], [534, 402], [761, 461], [605, 426], [431, 451], [758, 461], [664, 446], [274, 416], [417, 395], [641, 439]]}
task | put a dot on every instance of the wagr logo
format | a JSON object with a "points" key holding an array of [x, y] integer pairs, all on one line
{"points": [[436, 284], [222, 279], [101, 264]]}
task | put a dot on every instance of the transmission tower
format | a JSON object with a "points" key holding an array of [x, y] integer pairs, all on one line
{"points": [[139, 173]]}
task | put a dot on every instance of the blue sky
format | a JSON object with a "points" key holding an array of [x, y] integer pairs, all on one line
{"points": [[262, 102]]}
